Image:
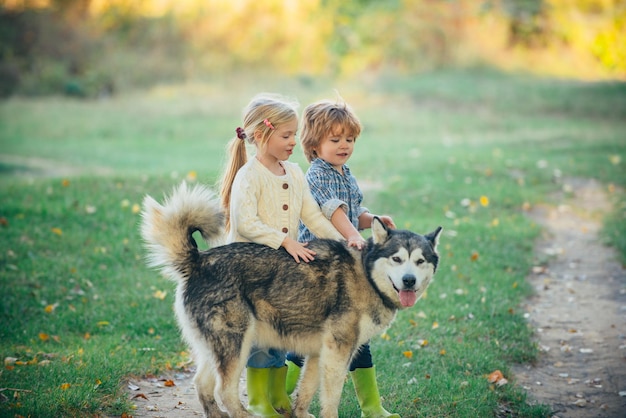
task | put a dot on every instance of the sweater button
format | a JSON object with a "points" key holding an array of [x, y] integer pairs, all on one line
{"points": [[285, 207], [285, 186], [285, 230]]}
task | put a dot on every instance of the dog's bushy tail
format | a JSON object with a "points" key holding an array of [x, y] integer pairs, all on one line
{"points": [[167, 229]]}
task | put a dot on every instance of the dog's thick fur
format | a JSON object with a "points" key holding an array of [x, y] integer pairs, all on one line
{"points": [[234, 296]]}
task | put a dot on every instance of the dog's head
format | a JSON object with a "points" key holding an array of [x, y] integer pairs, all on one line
{"points": [[401, 263]]}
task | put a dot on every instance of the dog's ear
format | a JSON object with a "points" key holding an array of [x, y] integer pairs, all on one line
{"points": [[379, 231], [433, 237]]}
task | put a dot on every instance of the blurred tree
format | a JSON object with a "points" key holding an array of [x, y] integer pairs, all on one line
{"points": [[527, 22], [592, 28], [609, 44], [45, 44], [423, 34], [48, 50], [73, 10]]}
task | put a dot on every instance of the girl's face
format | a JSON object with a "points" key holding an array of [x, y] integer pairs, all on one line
{"points": [[281, 143], [336, 148]]}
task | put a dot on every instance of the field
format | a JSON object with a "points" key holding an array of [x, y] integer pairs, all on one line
{"points": [[470, 151]]}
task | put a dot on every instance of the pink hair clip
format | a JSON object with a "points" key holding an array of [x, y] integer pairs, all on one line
{"points": [[268, 124]]}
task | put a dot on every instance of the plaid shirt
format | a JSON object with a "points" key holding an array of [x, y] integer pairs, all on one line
{"points": [[332, 190]]}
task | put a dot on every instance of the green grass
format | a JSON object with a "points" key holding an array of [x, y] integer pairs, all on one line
{"points": [[76, 293]]}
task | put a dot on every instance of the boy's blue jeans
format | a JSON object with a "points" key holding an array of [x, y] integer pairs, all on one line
{"points": [[261, 358], [362, 359]]}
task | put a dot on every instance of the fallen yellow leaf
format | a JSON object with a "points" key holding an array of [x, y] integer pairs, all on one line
{"points": [[611, 188], [159, 294], [495, 376], [9, 361]]}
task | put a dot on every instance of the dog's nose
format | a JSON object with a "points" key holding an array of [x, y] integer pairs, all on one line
{"points": [[408, 280]]}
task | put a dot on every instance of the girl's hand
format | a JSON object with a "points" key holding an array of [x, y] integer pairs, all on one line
{"points": [[298, 250], [356, 241], [387, 221]]}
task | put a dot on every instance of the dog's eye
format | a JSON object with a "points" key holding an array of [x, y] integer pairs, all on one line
{"points": [[396, 259], [420, 261]]}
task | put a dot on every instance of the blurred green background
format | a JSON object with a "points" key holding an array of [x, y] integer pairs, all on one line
{"points": [[473, 112], [90, 48]]}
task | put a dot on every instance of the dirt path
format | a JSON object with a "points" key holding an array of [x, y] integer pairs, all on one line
{"points": [[34, 167], [154, 398], [579, 312]]}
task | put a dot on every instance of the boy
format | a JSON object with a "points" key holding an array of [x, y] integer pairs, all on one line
{"points": [[328, 135]]}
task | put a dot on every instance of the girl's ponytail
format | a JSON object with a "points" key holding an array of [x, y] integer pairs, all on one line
{"points": [[237, 157]]}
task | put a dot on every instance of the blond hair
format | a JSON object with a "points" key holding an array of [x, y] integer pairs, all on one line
{"points": [[274, 109], [323, 117]]}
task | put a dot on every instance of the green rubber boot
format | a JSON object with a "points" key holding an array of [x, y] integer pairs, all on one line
{"points": [[367, 393], [259, 404], [293, 375], [278, 395]]}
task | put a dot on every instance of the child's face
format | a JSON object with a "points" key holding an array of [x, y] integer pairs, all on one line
{"points": [[281, 143], [336, 148]]}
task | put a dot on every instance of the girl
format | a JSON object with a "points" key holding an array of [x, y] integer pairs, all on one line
{"points": [[265, 198], [329, 133]]}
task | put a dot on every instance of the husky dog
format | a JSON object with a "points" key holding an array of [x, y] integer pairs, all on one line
{"points": [[234, 296]]}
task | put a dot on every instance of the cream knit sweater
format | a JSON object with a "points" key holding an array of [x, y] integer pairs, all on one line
{"points": [[265, 208]]}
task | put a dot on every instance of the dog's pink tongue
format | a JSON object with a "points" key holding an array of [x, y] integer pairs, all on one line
{"points": [[408, 298]]}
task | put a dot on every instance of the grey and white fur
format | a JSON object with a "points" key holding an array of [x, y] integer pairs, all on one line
{"points": [[231, 297]]}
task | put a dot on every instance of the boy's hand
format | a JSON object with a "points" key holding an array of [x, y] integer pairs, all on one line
{"points": [[387, 221], [356, 241], [298, 250]]}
